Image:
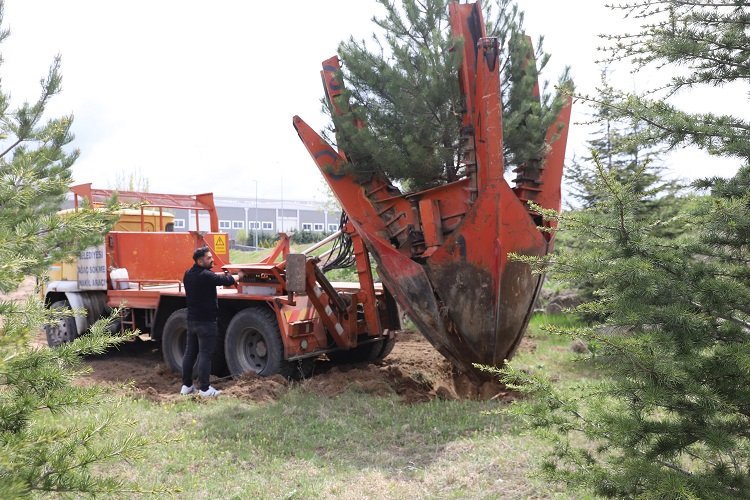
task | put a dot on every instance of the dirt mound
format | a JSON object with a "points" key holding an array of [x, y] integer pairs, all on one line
{"points": [[414, 372], [136, 368], [259, 389]]}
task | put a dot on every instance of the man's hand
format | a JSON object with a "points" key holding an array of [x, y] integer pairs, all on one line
{"points": [[234, 281]]}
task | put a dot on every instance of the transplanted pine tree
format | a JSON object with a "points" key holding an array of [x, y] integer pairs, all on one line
{"points": [[35, 162], [404, 87], [670, 415]]}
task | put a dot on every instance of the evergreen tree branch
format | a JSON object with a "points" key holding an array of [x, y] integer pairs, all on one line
{"points": [[648, 4], [50, 87]]}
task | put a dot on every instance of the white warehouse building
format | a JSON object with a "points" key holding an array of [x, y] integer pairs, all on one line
{"points": [[267, 216]]}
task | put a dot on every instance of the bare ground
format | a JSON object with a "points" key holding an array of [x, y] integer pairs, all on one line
{"points": [[25, 289], [414, 372]]}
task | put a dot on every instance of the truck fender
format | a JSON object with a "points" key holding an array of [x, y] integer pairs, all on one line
{"points": [[93, 302]]}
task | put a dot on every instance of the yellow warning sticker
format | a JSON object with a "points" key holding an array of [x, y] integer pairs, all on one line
{"points": [[220, 243]]}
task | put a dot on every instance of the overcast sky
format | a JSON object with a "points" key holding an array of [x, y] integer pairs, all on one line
{"points": [[199, 96]]}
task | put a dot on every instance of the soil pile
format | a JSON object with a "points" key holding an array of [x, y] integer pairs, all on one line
{"points": [[414, 372]]}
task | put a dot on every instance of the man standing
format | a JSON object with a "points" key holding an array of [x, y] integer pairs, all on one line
{"points": [[202, 305]]}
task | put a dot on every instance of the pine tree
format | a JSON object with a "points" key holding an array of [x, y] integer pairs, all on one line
{"points": [[407, 93], [705, 45], [618, 145], [670, 416], [35, 162]]}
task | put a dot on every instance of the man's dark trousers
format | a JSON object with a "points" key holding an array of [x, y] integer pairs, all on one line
{"points": [[203, 334]]}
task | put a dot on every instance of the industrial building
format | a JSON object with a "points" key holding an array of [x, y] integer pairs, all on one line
{"points": [[267, 216], [261, 216]]}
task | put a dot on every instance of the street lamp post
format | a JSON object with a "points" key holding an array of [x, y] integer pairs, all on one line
{"points": [[257, 221], [282, 205]]}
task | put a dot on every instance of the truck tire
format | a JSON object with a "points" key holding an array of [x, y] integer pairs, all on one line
{"points": [[173, 340], [173, 344], [304, 368], [253, 344], [388, 345], [64, 330], [365, 353]]}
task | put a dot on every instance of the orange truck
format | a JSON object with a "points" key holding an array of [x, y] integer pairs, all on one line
{"points": [[281, 315]]}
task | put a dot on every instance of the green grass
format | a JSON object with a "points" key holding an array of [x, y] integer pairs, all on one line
{"points": [[552, 353], [539, 321], [242, 257], [354, 445], [351, 446]]}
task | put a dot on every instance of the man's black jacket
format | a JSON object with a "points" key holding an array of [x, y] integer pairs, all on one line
{"points": [[200, 289]]}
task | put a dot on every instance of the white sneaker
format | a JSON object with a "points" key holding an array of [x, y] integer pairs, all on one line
{"points": [[209, 393], [187, 390]]}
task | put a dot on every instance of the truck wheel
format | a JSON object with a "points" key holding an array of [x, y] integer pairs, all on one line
{"points": [[64, 330], [253, 344], [173, 345], [388, 345], [173, 340], [218, 363], [304, 368], [365, 353]]}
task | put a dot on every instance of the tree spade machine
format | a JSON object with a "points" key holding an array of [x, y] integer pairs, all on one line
{"points": [[443, 253]]}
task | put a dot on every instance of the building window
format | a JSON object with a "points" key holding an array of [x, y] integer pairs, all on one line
{"points": [[306, 226], [179, 223], [333, 227], [253, 224], [318, 227], [224, 224], [267, 225], [238, 224]]}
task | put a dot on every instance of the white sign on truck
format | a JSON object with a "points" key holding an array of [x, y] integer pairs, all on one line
{"points": [[92, 269]]}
